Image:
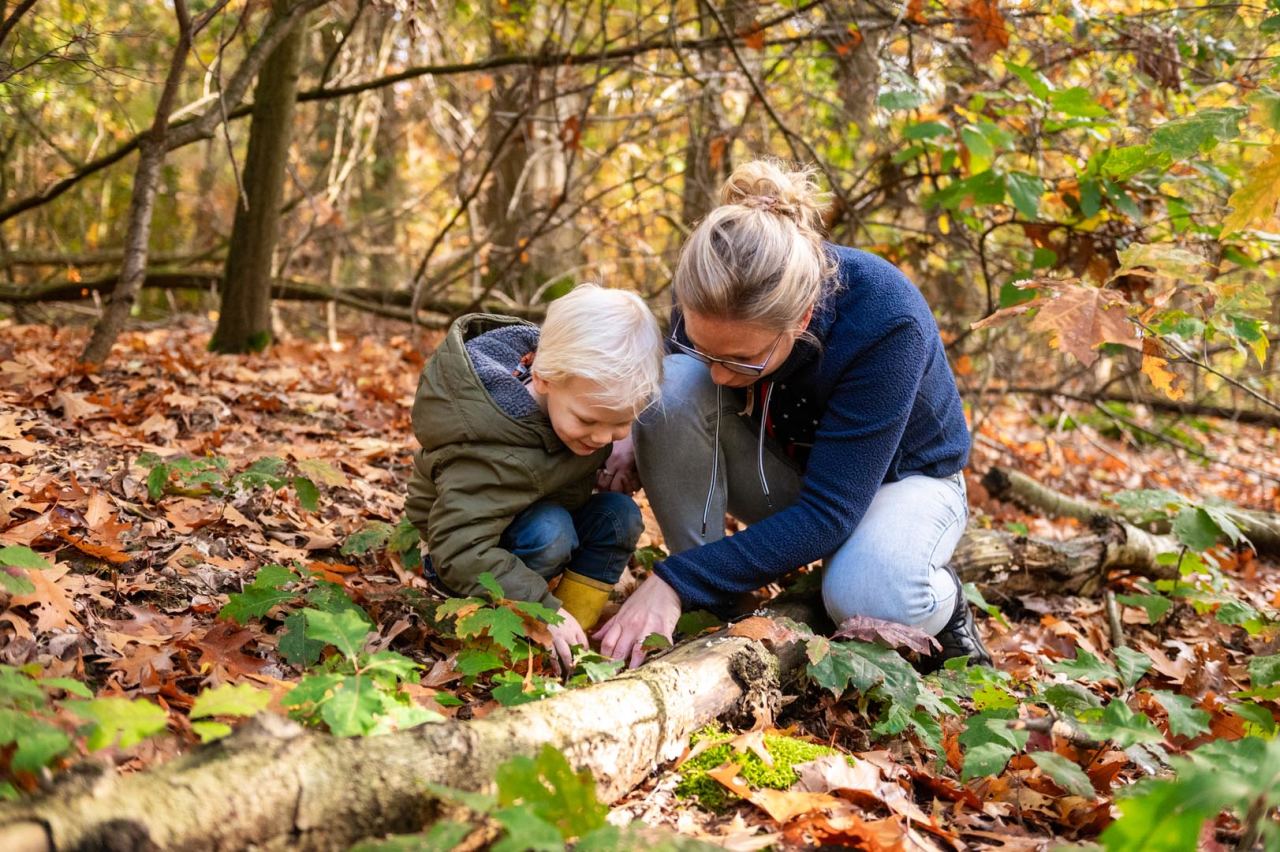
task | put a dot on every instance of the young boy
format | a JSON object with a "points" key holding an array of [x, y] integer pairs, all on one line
{"points": [[514, 423]]}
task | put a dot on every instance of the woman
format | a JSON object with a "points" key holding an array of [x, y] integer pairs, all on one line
{"points": [[809, 395]]}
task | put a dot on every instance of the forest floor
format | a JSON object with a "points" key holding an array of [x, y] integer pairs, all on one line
{"points": [[130, 605]]}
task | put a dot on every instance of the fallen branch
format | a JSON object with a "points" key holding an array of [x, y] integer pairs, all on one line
{"points": [[1262, 417], [1261, 528], [395, 304], [273, 783]]}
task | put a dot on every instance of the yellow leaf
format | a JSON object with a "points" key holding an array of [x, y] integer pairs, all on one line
{"points": [[1155, 369], [1255, 202]]}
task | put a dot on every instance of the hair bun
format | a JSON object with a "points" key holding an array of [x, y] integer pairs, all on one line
{"points": [[776, 187]]}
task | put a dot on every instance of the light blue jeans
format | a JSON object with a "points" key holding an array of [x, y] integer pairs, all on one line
{"points": [[891, 567]]}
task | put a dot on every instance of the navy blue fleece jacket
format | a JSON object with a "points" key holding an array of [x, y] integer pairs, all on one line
{"points": [[886, 403]]}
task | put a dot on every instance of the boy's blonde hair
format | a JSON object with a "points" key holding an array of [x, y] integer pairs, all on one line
{"points": [[759, 256], [609, 337]]}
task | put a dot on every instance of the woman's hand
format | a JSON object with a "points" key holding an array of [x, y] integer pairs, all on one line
{"points": [[652, 608], [619, 472], [564, 636]]}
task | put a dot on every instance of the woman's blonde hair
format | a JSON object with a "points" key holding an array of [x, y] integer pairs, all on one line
{"points": [[759, 256], [609, 337]]}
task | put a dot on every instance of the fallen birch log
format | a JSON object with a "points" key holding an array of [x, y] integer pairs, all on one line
{"points": [[1261, 528], [275, 785]]}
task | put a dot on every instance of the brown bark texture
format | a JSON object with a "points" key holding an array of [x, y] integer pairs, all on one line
{"points": [[244, 318]]}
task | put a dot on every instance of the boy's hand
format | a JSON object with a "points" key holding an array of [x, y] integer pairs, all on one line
{"points": [[564, 636], [619, 472]]}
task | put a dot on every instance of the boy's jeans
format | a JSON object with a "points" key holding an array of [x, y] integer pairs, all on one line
{"points": [[595, 541], [890, 568]]}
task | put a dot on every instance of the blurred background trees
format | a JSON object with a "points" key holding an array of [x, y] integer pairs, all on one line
{"points": [[434, 158]]}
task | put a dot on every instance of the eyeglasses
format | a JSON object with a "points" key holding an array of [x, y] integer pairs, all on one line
{"points": [[732, 366]]}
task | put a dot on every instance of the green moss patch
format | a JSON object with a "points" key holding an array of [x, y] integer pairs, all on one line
{"points": [[711, 794]]}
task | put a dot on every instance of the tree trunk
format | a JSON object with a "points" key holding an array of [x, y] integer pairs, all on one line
{"points": [[151, 154], [244, 320], [274, 785]]}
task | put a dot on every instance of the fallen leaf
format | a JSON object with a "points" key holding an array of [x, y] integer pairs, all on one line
{"points": [[54, 609], [868, 629], [781, 805], [763, 629]]}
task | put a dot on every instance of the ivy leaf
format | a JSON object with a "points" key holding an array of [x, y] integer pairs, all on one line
{"points": [[257, 599], [308, 494], [1185, 718], [230, 700], [1065, 773], [502, 624], [131, 721], [345, 630], [1132, 664], [1085, 667]]}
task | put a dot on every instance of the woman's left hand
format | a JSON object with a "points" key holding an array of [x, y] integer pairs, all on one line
{"points": [[652, 608]]}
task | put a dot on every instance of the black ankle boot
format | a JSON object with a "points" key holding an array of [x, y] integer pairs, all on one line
{"points": [[960, 637]]}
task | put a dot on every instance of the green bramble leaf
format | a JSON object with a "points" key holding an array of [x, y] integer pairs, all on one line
{"points": [[157, 481], [353, 708], [17, 556], [345, 630], [119, 718], [259, 597], [373, 535], [510, 688], [1185, 718], [38, 744], [1195, 528], [1025, 191], [294, 645], [230, 700], [526, 832], [1154, 605], [210, 731], [533, 609], [16, 583], [1123, 727], [66, 684], [655, 642], [1188, 137], [1132, 665], [502, 625], [491, 585], [308, 494], [1086, 667], [312, 690], [989, 758], [1071, 698], [1067, 774], [696, 621], [549, 787], [1264, 671], [1077, 102], [475, 661]]}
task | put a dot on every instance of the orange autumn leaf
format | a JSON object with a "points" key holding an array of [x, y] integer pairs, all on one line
{"points": [[985, 28], [1156, 369]]}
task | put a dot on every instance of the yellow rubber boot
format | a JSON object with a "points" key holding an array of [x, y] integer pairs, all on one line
{"points": [[583, 597]]}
